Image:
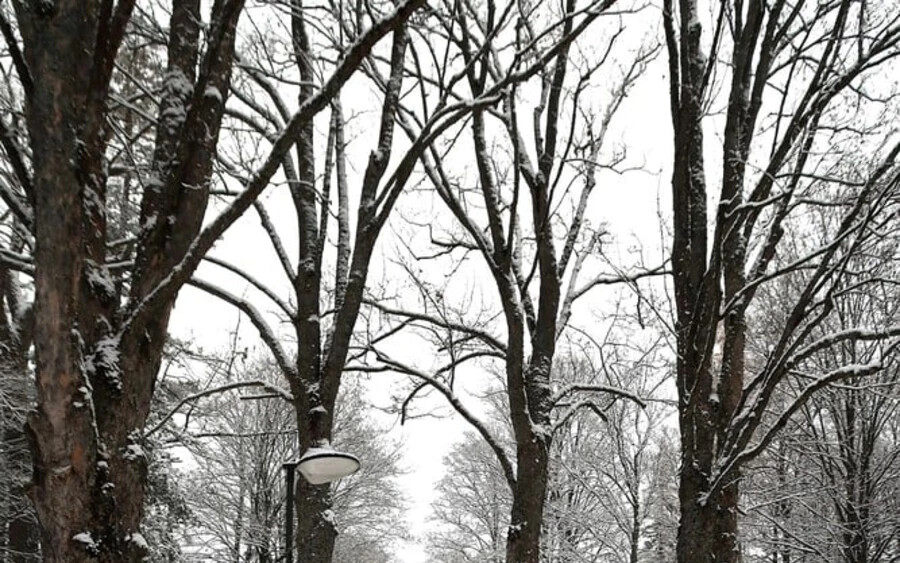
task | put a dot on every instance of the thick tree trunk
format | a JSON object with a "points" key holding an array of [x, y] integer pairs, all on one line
{"points": [[61, 429], [95, 376], [523, 542], [707, 532], [316, 531]]}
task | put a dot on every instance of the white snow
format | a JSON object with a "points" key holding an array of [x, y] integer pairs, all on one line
{"points": [[99, 278], [133, 452], [328, 516], [138, 540], [323, 448], [213, 92], [176, 81], [85, 539], [106, 358]]}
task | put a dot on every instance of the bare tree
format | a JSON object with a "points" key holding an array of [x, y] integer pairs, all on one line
{"points": [[599, 489], [237, 497], [100, 313], [322, 307], [471, 513], [536, 280], [792, 82], [826, 490]]}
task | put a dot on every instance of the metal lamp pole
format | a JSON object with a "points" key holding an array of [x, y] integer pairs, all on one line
{"points": [[289, 468]]}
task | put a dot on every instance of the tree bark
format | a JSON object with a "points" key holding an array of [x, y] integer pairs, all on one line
{"points": [[316, 531], [524, 537], [95, 363], [707, 532]]}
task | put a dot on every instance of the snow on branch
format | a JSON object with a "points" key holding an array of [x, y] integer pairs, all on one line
{"points": [[725, 465], [482, 335], [854, 334], [579, 388], [255, 282], [259, 180], [622, 278], [275, 390], [265, 331], [272, 233], [458, 406], [16, 261], [574, 409]]}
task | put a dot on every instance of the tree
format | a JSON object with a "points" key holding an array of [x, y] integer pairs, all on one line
{"points": [[323, 307], [472, 510], [509, 212], [794, 84], [238, 495], [99, 330], [314, 370], [599, 487], [826, 489]]}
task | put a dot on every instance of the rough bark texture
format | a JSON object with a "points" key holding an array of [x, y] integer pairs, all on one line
{"points": [[715, 280], [97, 348], [96, 363], [708, 528]]}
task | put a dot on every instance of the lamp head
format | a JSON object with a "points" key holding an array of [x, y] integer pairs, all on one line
{"points": [[324, 465]]}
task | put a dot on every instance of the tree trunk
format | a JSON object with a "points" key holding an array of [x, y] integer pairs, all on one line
{"points": [[316, 531], [524, 539], [635, 540], [61, 429], [96, 363], [707, 532]]}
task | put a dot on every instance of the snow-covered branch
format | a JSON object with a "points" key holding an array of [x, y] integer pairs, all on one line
{"points": [[594, 388], [275, 390], [265, 331], [458, 406]]}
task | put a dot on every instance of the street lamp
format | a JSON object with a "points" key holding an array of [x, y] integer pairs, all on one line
{"points": [[318, 466]]}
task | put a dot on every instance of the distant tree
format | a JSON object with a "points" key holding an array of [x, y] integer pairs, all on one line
{"points": [[662, 514], [826, 490], [236, 496], [600, 490], [167, 514]]}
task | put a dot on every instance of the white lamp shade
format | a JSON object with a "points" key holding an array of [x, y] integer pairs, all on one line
{"points": [[320, 466]]}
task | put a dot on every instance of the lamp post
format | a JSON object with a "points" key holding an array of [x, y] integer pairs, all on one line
{"points": [[318, 466]]}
